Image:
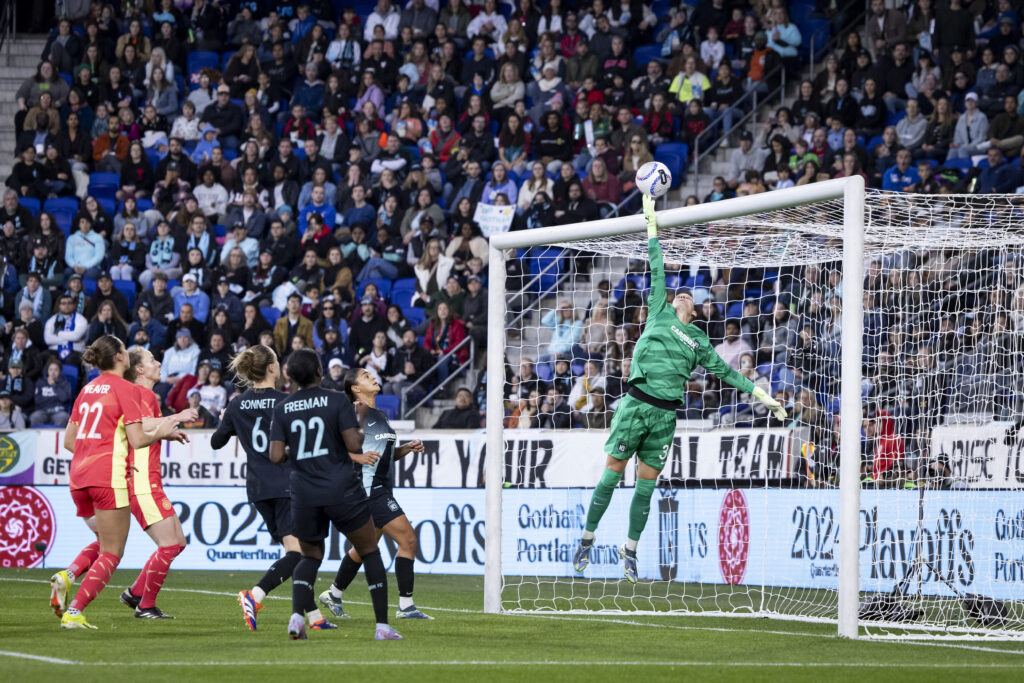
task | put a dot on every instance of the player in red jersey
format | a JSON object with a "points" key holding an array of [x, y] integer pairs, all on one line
{"points": [[106, 423], [149, 504]]}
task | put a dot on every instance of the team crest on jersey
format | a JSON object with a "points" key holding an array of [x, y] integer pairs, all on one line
{"points": [[392, 505], [167, 504], [622, 448], [683, 337]]}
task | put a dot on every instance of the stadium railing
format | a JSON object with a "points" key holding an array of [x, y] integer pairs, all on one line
{"points": [[778, 93], [7, 14]]}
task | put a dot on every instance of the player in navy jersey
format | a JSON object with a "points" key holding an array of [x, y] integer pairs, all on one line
{"points": [[248, 417], [320, 430], [389, 518]]}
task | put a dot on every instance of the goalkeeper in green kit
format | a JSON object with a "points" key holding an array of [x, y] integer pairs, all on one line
{"points": [[644, 423]]}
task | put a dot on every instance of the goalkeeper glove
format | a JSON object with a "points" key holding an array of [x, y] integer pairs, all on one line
{"points": [[652, 220], [770, 403]]}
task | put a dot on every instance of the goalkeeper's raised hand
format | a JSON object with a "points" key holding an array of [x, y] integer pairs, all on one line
{"points": [[770, 403], [652, 220]]}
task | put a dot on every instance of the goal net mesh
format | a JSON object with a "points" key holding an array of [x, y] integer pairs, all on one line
{"points": [[745, 520]]}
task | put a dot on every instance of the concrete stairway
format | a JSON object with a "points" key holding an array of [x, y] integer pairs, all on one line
{"points": [[22, 63]]}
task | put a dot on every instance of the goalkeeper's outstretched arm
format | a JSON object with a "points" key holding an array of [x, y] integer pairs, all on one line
{"points": [[658, 297]]}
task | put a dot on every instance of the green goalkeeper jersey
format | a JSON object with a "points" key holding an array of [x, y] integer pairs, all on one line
{"points": [[669, 351]]}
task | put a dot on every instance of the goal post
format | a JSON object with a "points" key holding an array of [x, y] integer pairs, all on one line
{"points": [[890, 500], [851, 191]]}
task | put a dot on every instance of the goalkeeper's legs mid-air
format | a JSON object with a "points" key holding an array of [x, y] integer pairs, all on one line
{"points": [[646, 430]]}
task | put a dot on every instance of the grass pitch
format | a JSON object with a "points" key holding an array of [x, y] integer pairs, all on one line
{"points": [[208, 641]]}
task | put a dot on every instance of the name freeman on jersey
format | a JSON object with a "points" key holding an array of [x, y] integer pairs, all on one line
{"points": [[306, 404], [683, 337], [257, 404]]}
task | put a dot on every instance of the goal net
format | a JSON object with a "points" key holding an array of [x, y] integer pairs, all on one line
{"points": [[746, 516]]}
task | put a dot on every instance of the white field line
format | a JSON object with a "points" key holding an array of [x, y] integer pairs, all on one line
{"points": [[514, 663], [603, 619]]}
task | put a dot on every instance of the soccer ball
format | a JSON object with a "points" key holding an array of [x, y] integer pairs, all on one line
{"points": [[653, 179]]}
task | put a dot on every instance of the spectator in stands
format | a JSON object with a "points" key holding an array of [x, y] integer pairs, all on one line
{"points": [[688, 84], [1007, 129], [53, 396], [293, 324], [887, 28], [602, 186], [760, 65], [746, 157], [733, 345], [1000, 176], [11, 416], [911, 128], [971, 130], [567, 329], [20, 388], [576, 207], [900, 177], [23, 350], [65, 331], [106, 320], [226, 117], [193, 296], [154, 329], [445, 332], [35, 293], [406, 365], [464, 415]]}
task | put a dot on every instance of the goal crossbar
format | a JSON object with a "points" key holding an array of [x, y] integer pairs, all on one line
{"points": [[852, 192]]}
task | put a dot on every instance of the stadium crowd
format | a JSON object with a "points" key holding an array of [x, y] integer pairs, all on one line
{"points": [[197, 176]]}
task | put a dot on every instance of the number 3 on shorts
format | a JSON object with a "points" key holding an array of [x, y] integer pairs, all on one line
{"points": [[664, 453]]}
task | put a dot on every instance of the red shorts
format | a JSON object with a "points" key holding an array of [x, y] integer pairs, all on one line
{"points": [[93, 498], [150, 508]]}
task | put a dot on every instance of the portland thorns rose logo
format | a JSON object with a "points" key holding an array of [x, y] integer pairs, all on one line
{"points": [[26, 519], [733, 537]]}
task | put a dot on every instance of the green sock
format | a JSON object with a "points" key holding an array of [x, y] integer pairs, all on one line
{"points": [[602, 496], [640, 507]]}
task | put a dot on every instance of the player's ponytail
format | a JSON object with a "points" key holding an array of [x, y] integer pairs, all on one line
{"points": [[102, 353], [349, 382], [304, 368], [250, 366]]}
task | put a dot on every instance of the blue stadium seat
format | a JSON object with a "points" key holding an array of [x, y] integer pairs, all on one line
{"points": [[63, 216], [540, 260], [70, 373], [673, 282], [104, 179], [109, 204], [389, 405], [67, 77], [676, 163], [959, 164], [874, 142], [126, 287], [62, 202], [201, 59], [88, 286], [646, 54], [33, 205], [225, 58], [270, 313], [892, 118], [735, 310], [383, 287], [413, 314], [402, 291], [816, 29], [544, 371], [143, 204]]}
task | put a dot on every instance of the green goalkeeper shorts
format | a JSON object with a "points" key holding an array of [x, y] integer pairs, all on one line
{"points": [[640, 428]]}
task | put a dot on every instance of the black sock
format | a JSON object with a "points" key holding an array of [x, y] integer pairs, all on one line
{"points": [[346, 572], [303, 580], [280, 571], [377, 580], [404, 574]]}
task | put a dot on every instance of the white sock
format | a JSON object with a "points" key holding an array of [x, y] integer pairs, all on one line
{"points": [[631, 544], [404, 602], [314, 616], [588, 535], [335, 592], [73, 612], [385, 627], [258, 594], [71, 576]]}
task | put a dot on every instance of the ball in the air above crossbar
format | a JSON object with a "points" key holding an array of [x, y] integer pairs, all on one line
{"points": [[653, 179]]}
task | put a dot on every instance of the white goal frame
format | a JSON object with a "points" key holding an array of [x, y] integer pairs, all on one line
{"points": [[852, 192]]}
